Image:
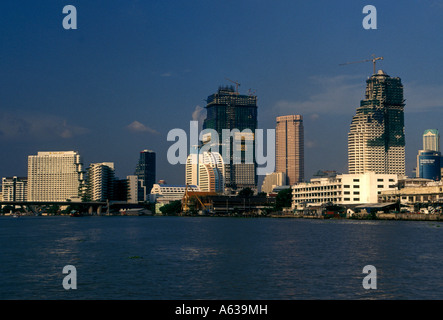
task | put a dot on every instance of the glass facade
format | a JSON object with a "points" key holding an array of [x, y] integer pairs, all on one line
{"points": [[145, 171]]}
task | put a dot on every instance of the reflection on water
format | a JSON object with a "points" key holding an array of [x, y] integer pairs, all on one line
{"points": [[218, 258]]}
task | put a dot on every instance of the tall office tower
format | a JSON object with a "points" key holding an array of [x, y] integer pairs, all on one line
{"points": [[55, 176], [15, 189], [227, 109], [100, 181], [206, 170], [132, 188], [145, 171], [376, 140], [431, 140], [289, 148]]}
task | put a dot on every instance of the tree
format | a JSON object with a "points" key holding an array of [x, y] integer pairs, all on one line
{"points": [[173, 207], [246, 193], [283, 199]]}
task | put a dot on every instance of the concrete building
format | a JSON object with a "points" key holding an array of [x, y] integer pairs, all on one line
{"points": [[206, 170], [273, 180], [343, 189], [431, 140], [289, 148], [14, 189], [376, 140], [55, 176], [133, 188], [100, 181], [423, 191], [165, 193]]}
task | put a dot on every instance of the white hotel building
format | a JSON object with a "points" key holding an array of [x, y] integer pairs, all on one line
{"points": [[55, 176], [343, 189]]}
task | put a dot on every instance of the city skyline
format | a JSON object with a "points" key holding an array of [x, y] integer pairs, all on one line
{"points": [[131, 72]]}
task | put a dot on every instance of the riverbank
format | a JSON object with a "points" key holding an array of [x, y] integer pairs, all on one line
{"points": [[378, 216]]}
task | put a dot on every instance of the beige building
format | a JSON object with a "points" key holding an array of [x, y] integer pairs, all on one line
{"points": [[55, 176], [289, 148], [415, 191], [272, 180], [343, 189]]}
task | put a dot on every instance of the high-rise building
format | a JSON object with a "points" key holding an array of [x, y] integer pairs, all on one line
{"points": [[15, 189], [429, 165], [376, 140], [55, 176], [132, 188], [289, 148], [206, 170], [229, 110], [100, 181], [431, 140], [145, 171]]}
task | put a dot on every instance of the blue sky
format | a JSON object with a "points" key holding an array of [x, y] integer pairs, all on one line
{"points": [[133, 70]]}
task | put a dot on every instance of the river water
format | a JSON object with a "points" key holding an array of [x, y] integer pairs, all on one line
{"points": [[175, 258]]}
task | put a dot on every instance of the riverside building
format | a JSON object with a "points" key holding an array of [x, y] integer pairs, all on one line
{"points": [[289, 148], [55, 176], [207, 171], [343, 189], [100, 181], [376, 140], [15, 189]]}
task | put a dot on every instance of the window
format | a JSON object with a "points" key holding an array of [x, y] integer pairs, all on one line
{"points": [[347, 192], [379, 180], [356, 180], [356, 192], [346, 186], [356, 186], [356, 199], [347, 199], [380, 186]]}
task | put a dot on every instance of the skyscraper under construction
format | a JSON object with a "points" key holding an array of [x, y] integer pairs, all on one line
{"points": [[228, 110], [376, 140]]}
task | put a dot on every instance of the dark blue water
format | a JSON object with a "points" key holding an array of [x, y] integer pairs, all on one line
{"points": [[218, 258]]}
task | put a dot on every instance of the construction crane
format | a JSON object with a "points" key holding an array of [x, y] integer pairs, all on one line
{"points": [[374, 60], [186, 201], [237, 84]]}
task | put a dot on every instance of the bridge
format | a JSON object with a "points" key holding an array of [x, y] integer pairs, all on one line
{"points": [[98, 207]]}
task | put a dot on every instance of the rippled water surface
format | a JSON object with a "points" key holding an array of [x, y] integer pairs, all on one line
{"points": [[219, 258]]}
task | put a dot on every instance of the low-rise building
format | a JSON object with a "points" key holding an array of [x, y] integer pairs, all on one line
{"points": [[343, 189], [165, 193]]}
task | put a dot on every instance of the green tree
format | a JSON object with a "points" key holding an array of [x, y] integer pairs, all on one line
{"points": [[172, 208], [283, 199]]}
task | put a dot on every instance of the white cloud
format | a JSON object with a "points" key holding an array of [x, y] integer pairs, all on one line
{"points": [[140, 127], [421, 96], [339, 94], [199, 114]]}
